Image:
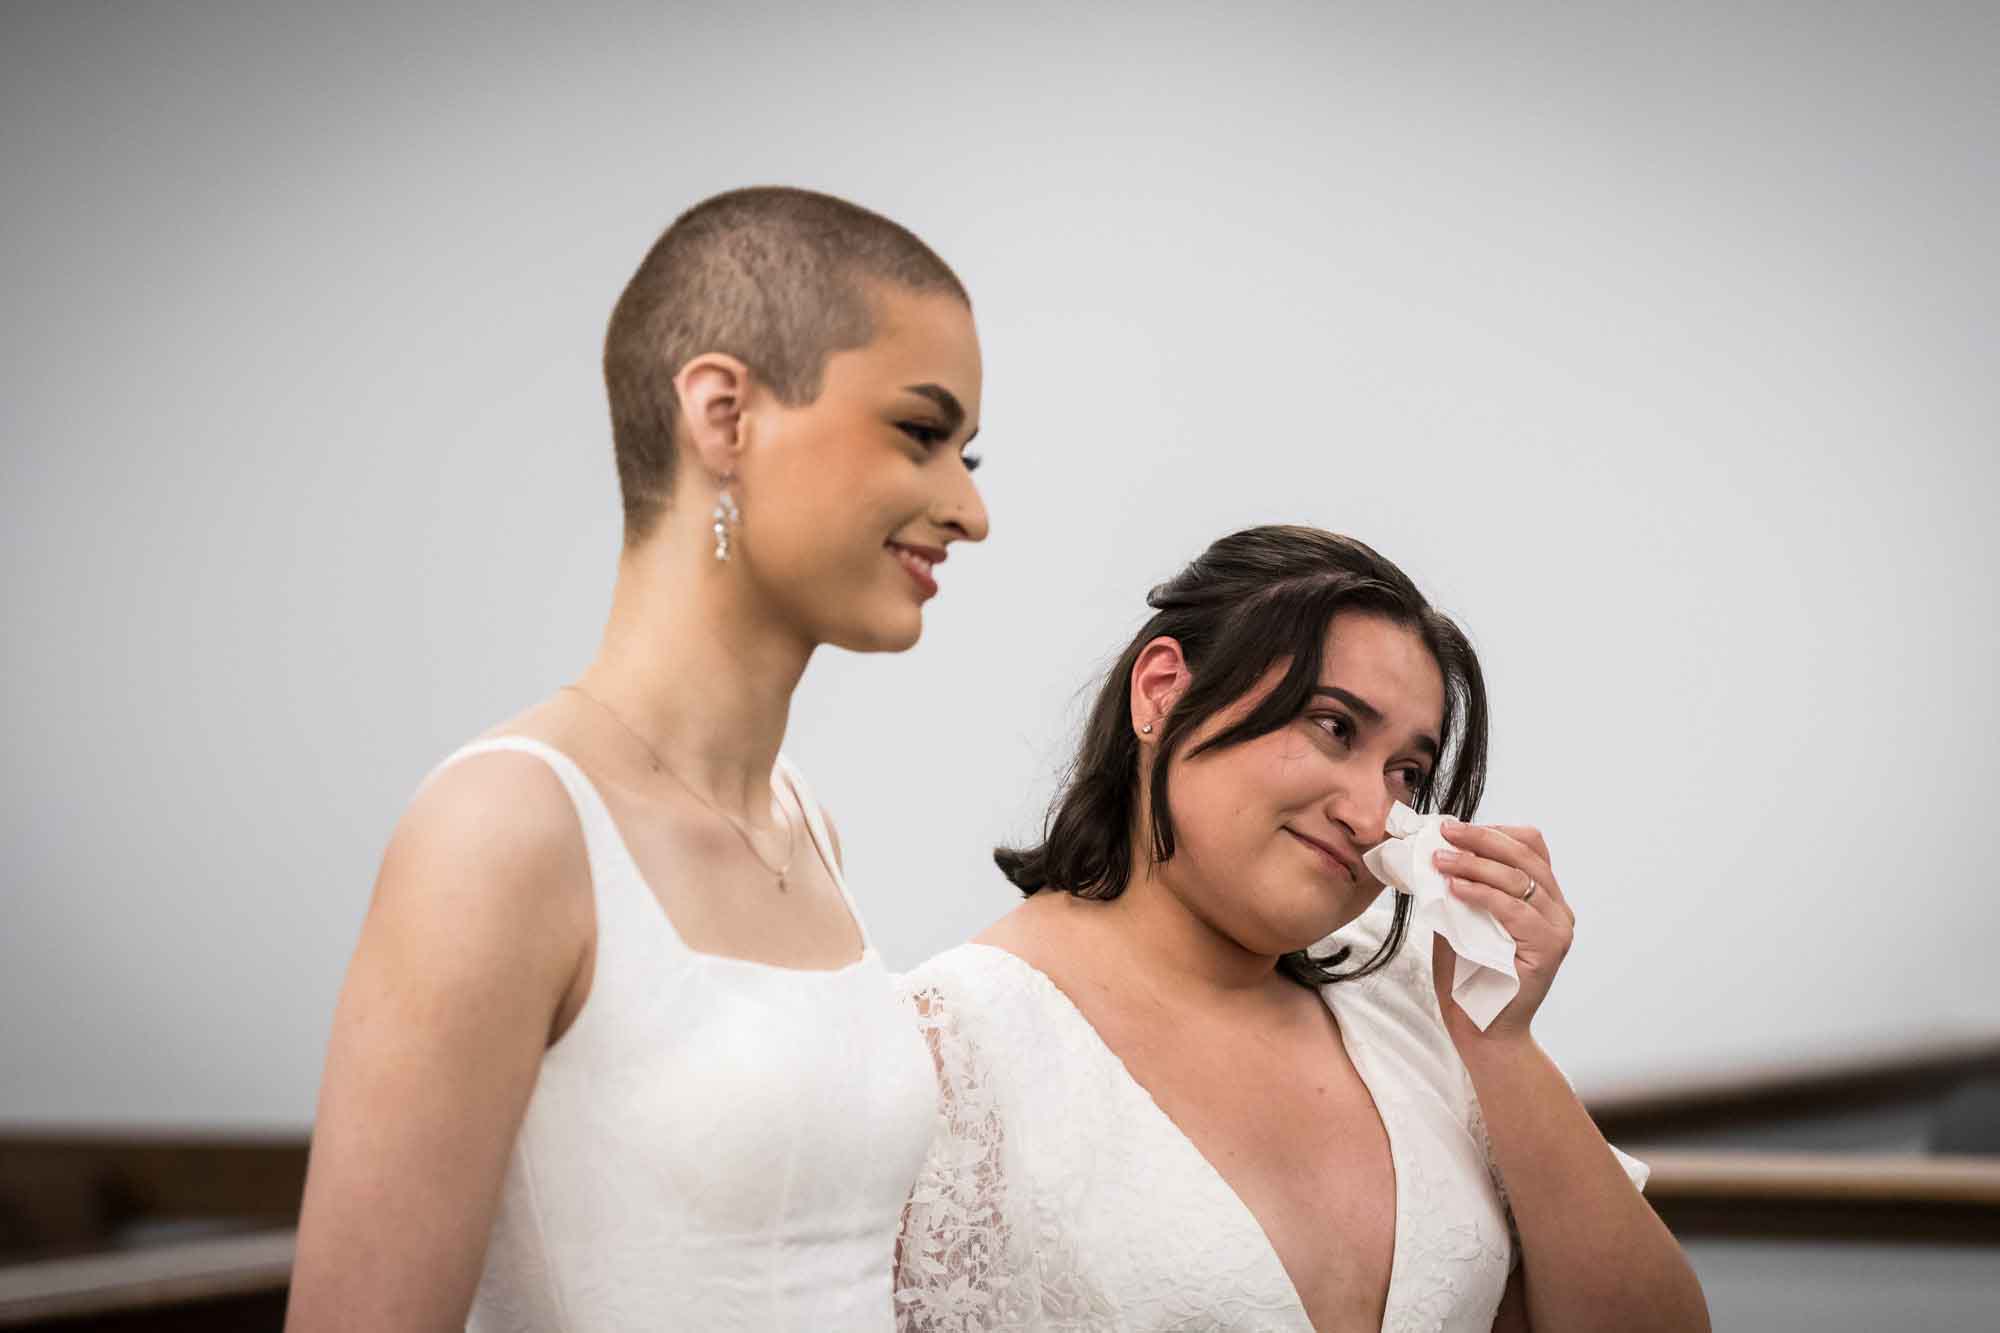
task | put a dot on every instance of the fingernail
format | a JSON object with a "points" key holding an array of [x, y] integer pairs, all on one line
{"points": [[1444, 858]]}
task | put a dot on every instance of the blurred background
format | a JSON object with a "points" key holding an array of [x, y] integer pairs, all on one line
{"points": [[1656, 342]]}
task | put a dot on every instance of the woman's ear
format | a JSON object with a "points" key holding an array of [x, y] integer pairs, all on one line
{"points": [[714, 388], [1159, 677]]}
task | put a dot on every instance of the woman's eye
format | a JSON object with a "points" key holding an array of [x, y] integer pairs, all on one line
{"points": [[971, 461], [1413, 778], [1334, 725], [922, 433]]}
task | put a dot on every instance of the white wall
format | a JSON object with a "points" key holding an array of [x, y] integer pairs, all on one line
{"points": [[1657, 344], [1836, 1286]]}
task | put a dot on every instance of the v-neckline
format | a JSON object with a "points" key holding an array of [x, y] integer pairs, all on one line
{"points": [[1388, 1132]]}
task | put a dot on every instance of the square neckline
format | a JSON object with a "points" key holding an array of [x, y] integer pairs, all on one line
{"points": [[1043, 979], [808, 811], [809, 814]]}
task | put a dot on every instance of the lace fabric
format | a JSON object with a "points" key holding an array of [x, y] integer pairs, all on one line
{"points": [[963, 1261], [1042, 1211], [1057, 1196]]}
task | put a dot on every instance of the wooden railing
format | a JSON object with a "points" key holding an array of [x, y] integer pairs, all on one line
{"points": [[232, 1282], [1914, 1072], [1826, 1194], [64, 1198], [112, 1231]]}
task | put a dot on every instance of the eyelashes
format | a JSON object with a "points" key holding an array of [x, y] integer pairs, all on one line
{"points": [[930, 437], [1341, 730]]}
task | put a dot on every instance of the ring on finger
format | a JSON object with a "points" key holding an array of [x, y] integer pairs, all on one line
{"points": [[1532, 886]]}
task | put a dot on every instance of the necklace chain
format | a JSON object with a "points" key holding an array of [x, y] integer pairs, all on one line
{"points": [[660, 766]]}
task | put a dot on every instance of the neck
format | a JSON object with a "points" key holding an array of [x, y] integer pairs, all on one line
{"points": [[1177, 951], [692, 664]]}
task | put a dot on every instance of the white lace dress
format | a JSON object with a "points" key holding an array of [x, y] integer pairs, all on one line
{"points": [[1058, 1196]]}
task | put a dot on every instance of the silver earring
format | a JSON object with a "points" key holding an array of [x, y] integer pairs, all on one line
{"points": [[727, 516], [1146, 730]]}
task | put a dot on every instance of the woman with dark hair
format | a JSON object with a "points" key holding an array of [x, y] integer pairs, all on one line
{"points": [[1193, 1082]]}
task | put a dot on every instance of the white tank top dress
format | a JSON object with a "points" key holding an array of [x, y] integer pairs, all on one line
{"points": [[713, 1143]]}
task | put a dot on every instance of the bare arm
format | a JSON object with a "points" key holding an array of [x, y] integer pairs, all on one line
{"points": [[1593, 1253], [468, 963]]}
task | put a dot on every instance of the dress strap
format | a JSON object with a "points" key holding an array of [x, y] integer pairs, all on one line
{"points": [[822, 839], [627, 910], [590, 808]]}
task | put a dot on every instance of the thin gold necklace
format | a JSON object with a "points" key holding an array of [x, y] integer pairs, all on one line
{"points": [[659, 766]]}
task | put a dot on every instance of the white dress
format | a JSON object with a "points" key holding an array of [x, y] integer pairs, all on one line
{"points": [[1057, 1195], [713, 1144]]}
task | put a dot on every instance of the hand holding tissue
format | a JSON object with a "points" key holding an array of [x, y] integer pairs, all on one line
{"points": [[1483, 981]]}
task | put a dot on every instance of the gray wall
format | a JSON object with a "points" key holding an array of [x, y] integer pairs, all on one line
{"points": [[1657, 342], [1847, 1287]]}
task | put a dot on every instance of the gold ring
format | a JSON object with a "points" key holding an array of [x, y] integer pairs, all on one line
{"points": [[1531, 889]]}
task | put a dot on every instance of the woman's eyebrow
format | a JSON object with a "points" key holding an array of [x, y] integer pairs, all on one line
{"points": [[946, 402], [1369, 712], [1372, 715]]}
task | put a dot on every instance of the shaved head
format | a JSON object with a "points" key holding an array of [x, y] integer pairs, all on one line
{"points": [[777, 278]]}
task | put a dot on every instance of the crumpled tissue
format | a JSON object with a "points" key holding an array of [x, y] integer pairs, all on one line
{"points": [[1484, 981]]}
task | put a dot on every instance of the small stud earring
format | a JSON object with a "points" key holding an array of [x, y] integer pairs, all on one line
{"points": [[1146, 730], [726, 516]]}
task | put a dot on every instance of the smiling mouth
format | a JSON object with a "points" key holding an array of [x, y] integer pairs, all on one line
{"points": [[1327, 854], [918, 561]]}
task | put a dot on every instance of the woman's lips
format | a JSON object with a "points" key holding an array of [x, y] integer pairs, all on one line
{"points": [[917, 561], [1344, 865]]}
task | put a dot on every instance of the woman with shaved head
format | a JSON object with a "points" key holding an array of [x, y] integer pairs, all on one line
{"points": [[615, 1051]]}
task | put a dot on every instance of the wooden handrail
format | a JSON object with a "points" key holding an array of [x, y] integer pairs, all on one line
{"points": [[73, 1190], [161, 1276], [1704, 1192], [1850, 1196], [1971, 1181], [1784, 1090], [93, 1178]]}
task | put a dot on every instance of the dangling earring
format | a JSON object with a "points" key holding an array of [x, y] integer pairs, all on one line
{"points": [[727, 516]]}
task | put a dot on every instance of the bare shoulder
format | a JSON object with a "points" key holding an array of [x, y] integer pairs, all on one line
{"points": [[494, 810], [489, 857], [1042, 932], [477, 934], [964, 979], [1014, 930]]}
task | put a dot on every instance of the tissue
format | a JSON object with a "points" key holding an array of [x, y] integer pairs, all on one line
{"points": [[1483, 980]]}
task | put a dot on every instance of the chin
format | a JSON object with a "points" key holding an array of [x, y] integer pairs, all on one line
{"points": [[881, 634], [1320, 911], [1350, 905]]}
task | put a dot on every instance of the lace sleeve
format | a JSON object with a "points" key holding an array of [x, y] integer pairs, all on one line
{"points": [[962, 1261]]}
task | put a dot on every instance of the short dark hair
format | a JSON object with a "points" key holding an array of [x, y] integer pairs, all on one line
{"points": [[772, 276], [1254, 598]]}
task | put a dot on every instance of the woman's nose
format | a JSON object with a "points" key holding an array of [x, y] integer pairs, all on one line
{"points": [[1363, 810], [964, 511]]}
